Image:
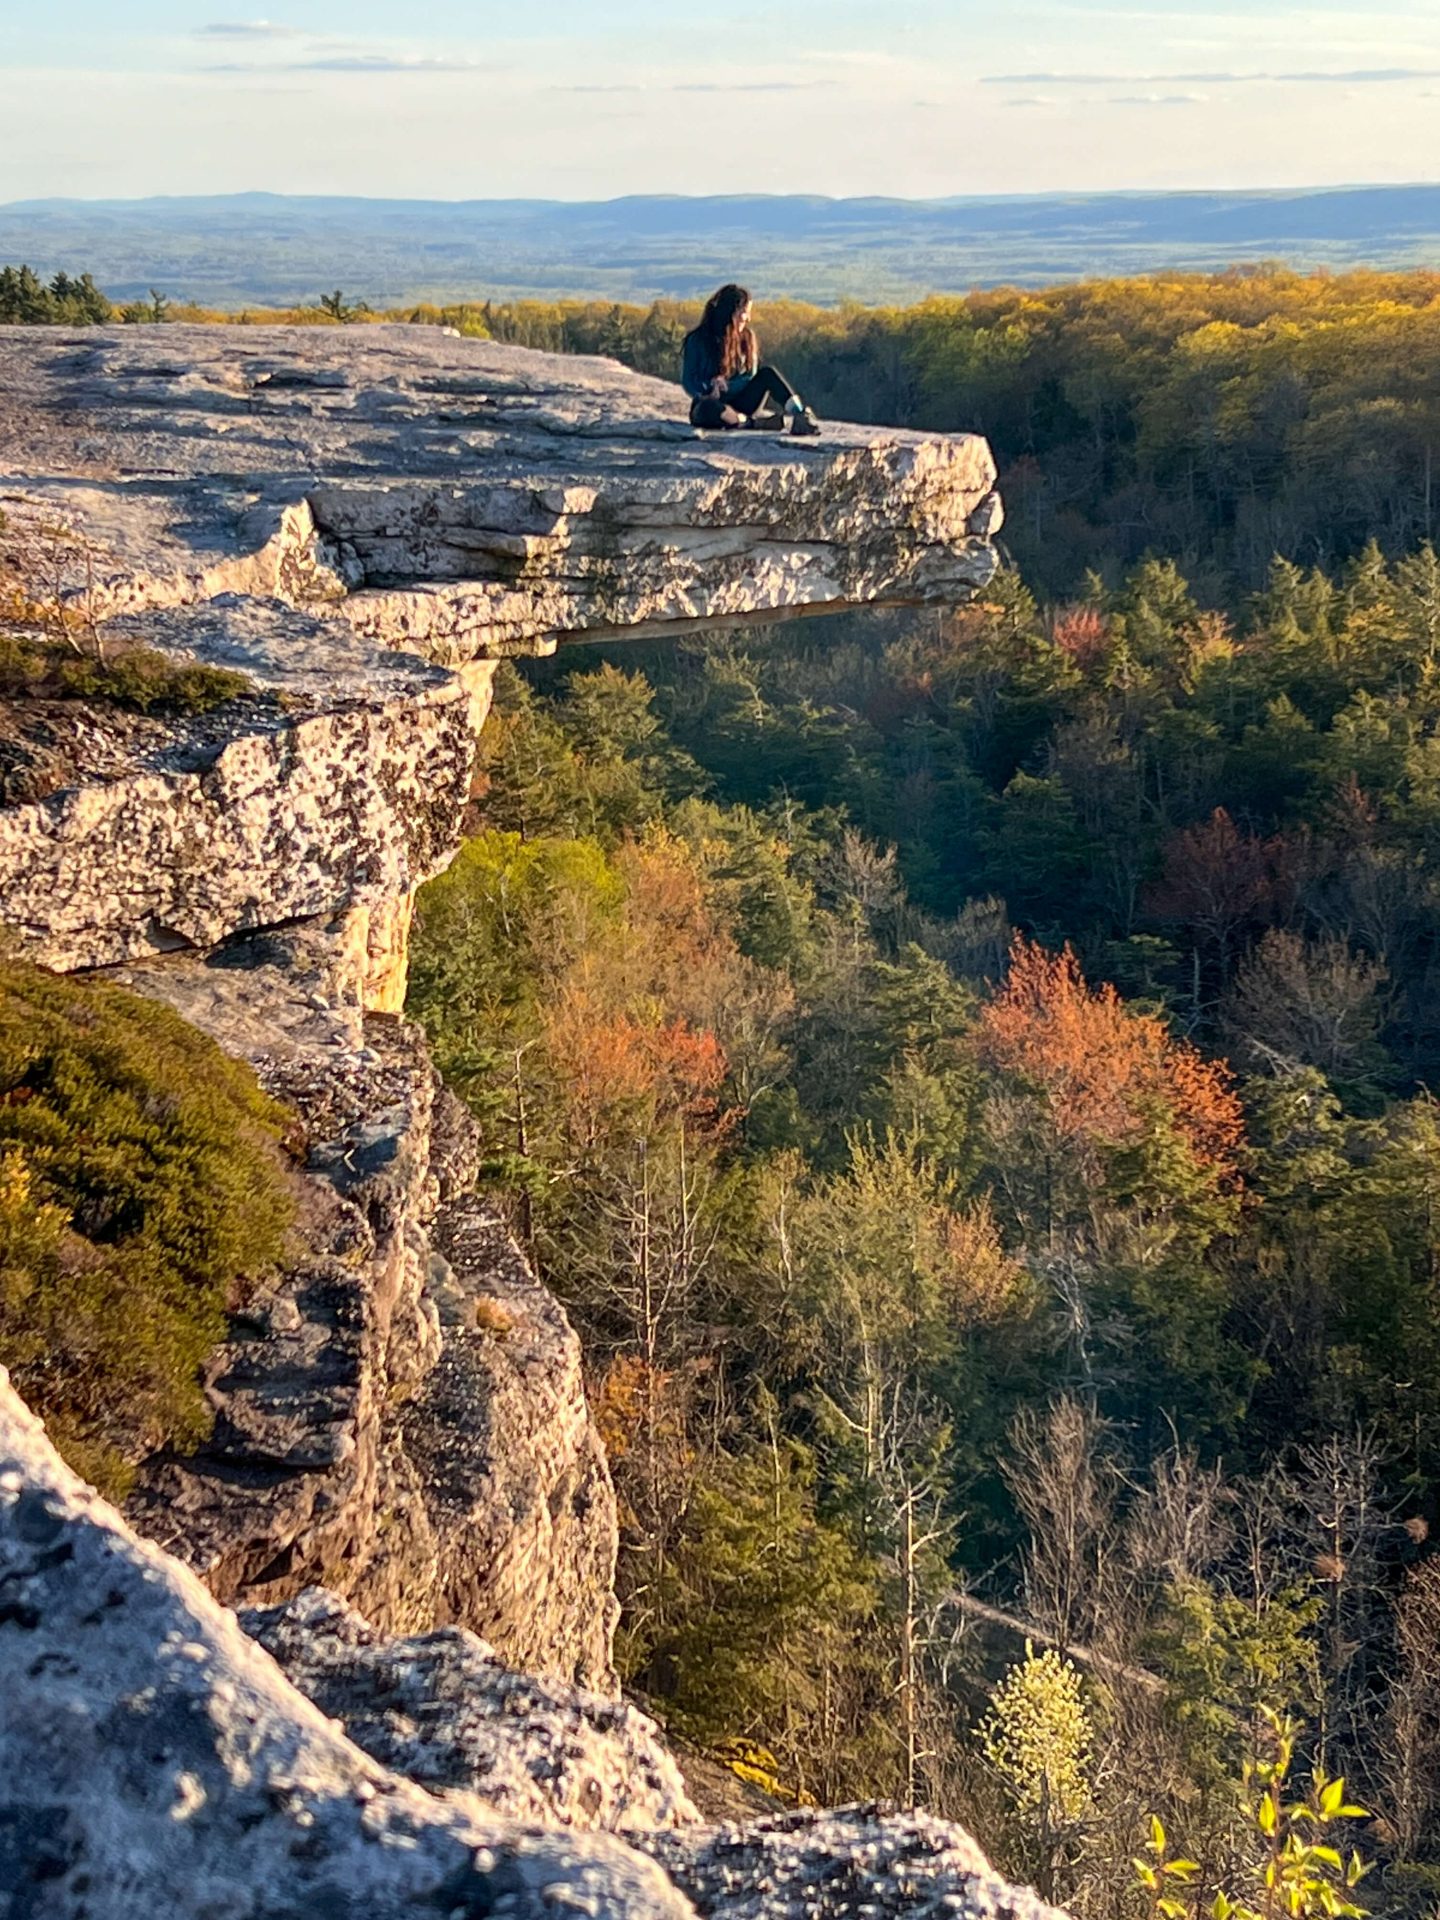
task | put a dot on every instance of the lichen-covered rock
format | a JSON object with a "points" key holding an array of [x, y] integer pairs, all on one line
{"points": [[153, 1760], [361, 521], [442, 1710], [338, 796], [374, 1432], [855, 1863]]}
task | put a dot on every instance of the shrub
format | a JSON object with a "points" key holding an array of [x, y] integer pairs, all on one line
{"points": [[1037, 1737], [141, 679], [141, 1184], [1294, 1871]]}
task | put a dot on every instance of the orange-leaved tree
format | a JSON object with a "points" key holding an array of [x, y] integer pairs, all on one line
{"points": [[624, 1076], [1118, 1148], [1108, 1134], [1104, 1071]]}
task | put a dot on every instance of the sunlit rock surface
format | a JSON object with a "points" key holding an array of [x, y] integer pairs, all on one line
{"points": [[153, 1760], [362, 520], [864, 1861], [156, 1760], [315, 464], [441, 1709]]}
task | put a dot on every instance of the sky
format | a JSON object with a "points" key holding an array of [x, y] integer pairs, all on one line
{"points": [[586, 99]]}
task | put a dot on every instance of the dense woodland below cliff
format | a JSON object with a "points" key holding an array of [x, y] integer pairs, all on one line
{"points": [[970, 1078]]}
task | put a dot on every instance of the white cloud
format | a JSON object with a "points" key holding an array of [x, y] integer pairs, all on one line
{"points": [[387, 63], [372, 63], [1355, 76], [246, 30], [1155, 99], [750, 86]]}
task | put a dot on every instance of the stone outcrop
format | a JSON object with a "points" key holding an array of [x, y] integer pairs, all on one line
{"points": [[442, 1710], [399, 1415], [298, 802], [154, 1760], [381, 464], [362, 521], [854, 1861]]}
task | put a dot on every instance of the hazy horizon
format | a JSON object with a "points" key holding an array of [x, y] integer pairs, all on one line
{"points": [[1051, 195], [265, 249]]}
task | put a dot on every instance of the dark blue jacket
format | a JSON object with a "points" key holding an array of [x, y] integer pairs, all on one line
{"points": [[700, 365]]}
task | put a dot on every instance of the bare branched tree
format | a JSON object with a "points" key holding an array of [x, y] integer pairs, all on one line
{"points": [[1411, 1767], [1066, 1486]]}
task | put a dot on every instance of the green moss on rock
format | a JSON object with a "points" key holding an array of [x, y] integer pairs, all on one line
{"points": [[141, 1185]]}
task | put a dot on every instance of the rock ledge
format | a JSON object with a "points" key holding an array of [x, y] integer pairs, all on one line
{"points": [[362, 521]]}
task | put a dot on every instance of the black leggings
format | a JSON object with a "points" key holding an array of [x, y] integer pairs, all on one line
{"points": [[766, 385]]}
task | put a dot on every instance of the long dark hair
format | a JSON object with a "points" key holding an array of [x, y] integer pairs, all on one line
{"points": [[731, 341]]}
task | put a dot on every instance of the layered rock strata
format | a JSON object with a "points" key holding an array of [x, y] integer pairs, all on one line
{"points": [[362, 521]]}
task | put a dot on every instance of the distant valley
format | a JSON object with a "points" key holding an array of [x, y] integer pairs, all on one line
{"points": [[269, 248]]}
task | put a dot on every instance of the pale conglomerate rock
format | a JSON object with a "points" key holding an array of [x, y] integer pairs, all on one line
{"points": [[852, 1863], [569, 494], [362, 520], [374, 1433], [154, 1760], [316, 802], [516, 1479], [442, 1710]]}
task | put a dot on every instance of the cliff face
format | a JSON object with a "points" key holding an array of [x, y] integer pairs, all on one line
{"points": [[361, 522], [400, 1416]]}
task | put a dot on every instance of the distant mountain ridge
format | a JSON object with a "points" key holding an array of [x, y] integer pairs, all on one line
{"points": [[259, 248]]}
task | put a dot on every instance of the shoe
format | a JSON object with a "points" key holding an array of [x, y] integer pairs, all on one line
{"points": [[767, 421], [804, 422]]}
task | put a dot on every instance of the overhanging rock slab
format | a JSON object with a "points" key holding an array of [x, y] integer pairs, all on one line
{"points": [[362, 520]]}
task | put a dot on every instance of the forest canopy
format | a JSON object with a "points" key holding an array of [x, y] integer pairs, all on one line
{"points": [[968, 1078]]}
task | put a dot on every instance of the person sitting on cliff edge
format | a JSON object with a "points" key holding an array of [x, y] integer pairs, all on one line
{"points": [[722, 374]]}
